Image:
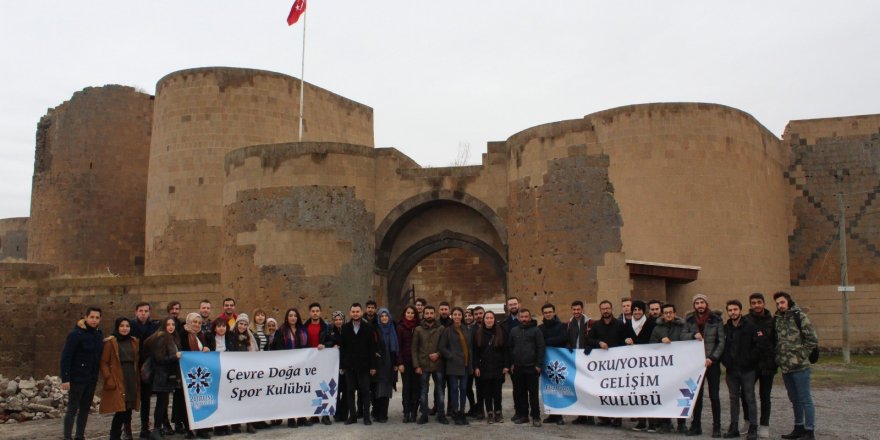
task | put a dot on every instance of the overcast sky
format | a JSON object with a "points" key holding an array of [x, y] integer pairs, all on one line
{"points": [[438, 74]]}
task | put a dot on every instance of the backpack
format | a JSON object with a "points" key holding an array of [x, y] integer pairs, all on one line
{"points": [[814, 355]]}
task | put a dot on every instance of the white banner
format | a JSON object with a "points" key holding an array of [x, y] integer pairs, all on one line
{"points": [[241, 387], [651, 380]]}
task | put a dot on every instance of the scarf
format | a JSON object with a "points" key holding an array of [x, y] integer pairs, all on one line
{"points": [[637, 325], [291, 341], [389, 334], [702, 320], [116, 334], [409, 324], [463, 342]]}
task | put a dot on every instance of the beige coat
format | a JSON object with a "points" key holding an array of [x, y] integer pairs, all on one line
{"points": [[113, 394]]}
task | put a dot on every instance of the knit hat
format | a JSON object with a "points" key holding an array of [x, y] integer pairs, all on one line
{"points": [[701, 296], [639, 304], [243, 317]]}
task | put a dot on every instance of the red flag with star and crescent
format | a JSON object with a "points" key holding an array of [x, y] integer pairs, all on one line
{"points": [[298, 9]]}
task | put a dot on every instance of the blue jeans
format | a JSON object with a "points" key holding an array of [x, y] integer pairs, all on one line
{"points": [[438, 392], [797, 384], [457, 385]]}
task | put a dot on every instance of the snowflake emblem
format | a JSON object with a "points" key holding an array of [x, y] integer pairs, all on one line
{"points": [[326, 398], [198, 379], [556, 372]]}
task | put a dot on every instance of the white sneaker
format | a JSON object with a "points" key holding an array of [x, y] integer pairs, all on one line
{"points": [[763, 431]]}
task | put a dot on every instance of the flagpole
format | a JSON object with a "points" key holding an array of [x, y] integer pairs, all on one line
{"points": [[302, 81]]}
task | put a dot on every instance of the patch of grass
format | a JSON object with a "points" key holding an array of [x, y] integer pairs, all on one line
{"points": [[830, 371]]}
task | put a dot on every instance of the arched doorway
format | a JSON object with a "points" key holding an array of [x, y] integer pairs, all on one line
{"points": [[452, 233]]}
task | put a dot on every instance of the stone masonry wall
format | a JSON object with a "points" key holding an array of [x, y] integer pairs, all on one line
{"points": [[13, 238], [40, 313], [848, 162], [89, 186], [458, 276]]}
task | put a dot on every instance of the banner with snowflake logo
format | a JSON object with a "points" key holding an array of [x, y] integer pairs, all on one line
{"points": [[651, 380], [240, 387]]}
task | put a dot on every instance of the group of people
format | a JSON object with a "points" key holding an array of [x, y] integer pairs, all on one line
{"points": [[457, 350]]}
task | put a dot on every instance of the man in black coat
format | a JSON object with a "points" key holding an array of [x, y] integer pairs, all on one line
{"points": [[639, 328], [358, 348], [526, 347], [762, 319], [142, 327], [80, 363], [555, 335], [606, 333], [740, 358]]}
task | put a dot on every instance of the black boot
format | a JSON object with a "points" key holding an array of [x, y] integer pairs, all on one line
{"points": [[116, 429], [797, 432], [732, 431], [808, 435], [753, 433], [695, 430]]}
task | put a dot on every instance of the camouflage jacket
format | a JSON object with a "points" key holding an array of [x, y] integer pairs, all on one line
{"points": [[793, 346]]}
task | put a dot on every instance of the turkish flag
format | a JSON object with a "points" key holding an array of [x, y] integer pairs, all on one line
{"points": [[299, 8]]}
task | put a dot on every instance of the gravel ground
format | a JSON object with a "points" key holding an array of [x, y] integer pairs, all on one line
{"points": [[842, 413]]}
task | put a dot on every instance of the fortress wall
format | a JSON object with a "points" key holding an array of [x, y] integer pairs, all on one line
{"points": [[39, 315], [824, 305], [201, 114], [563, 220], [832, 156], [700, 185], [13, 238], [298, 225], [89, 184]]}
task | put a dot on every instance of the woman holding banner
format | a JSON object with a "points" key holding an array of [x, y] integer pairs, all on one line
{"points": [[192, 339], [242, 339], [341, 413], [164, 358], [291, 336]]}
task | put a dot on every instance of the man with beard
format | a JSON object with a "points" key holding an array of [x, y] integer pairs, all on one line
{"points": [[654, 307], [526, 345], [80, 361], [795, 341], [229, 312], [762, 319], [444, 319], [428, 363], [555, 335], [707, 326], [577, 329], [670, 328], [357, 358], [606, 333], [477, 410], [639, 330], [142, 327], [512, 307], [420, 307], [205, 313], [740, 361], [370, 313]]}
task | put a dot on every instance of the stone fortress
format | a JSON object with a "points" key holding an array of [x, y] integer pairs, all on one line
{"points": [[201, 192]]}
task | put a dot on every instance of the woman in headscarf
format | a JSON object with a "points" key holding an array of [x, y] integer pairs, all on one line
{"points": [[271, 329], [411, 381], [455, 348], [490, 364], [291, 336], [121, 393], [164, 357], [191, 339], [337, 319], [386, 373]]}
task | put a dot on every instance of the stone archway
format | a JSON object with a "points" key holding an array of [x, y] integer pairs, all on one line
{"points": [[415, 229]]}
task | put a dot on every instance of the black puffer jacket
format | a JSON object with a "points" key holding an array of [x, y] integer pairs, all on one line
{"points": [[766, 341], [81, 357], [740, 346], [713, 337], [526, 345], [676, 330], [612, 333], [555, 333]]}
